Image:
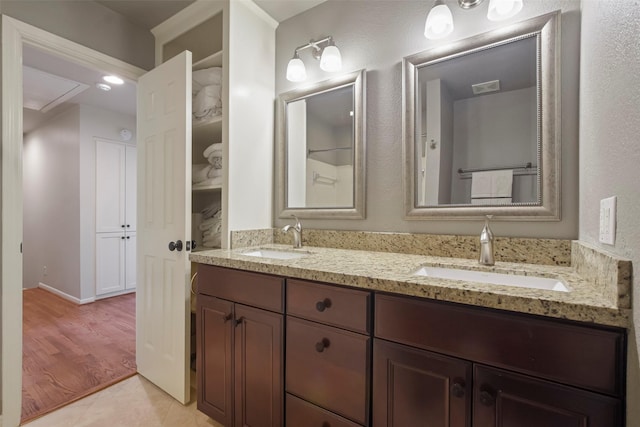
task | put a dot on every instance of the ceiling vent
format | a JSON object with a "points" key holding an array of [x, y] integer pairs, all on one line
{"points": [[43, 91], [486, 87]]}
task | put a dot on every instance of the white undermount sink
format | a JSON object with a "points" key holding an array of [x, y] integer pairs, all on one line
{"points": [[275, 254], [493, 278]]}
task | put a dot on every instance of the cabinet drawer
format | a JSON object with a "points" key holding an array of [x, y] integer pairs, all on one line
{"points": [[302, 413], [329, 367], [254, 289], [344, 308], [591, 358]]}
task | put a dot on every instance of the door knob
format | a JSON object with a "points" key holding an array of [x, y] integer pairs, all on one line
{"points": [[175, 246], [321, 345], [457, 388], [323, 305]]}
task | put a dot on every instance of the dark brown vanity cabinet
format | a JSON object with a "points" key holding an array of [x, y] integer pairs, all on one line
{"points": [[439, 364], [328, 354], [239, 347]]}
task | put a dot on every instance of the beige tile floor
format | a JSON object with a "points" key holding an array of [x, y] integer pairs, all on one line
{"points": [[134, 402]]}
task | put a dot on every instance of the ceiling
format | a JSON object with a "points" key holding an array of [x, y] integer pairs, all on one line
{"points": [[143, 13], [121, 98], [149, 13]]}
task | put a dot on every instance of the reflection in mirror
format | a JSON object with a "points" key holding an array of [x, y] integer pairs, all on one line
{"points": [[321, 149], [477, 123], [481, 126]]}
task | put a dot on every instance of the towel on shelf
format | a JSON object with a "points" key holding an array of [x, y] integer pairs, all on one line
{"points": [[213, 241], [200, 172], [211, 210], [206, 77], [215, 148], [214, 173], [488, 187], [215, 161], [209, 182], [206, 101]]}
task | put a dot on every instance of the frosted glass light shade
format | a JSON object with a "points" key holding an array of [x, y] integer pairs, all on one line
{"points": [[296, 71], [439, 22], [500, 10], [331, 60]]}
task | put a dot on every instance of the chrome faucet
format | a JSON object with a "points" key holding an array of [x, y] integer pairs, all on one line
{"points": [[296, 230], [486, 244]]}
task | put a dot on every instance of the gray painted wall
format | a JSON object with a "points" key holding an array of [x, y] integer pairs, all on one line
{"points": [[610, 146], [89, 24], [51, 189], [376, 35]]}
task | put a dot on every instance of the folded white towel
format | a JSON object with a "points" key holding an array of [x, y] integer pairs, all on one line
{"points": [[503, 183], [206, 100], [212, 241], [211, 210], [481, 184], [491, 184], [206, 77], [214, 173], [213, 148], [215, 161], [200, 172]]}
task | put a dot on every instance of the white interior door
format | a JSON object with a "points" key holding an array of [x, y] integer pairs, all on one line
{"points": [[164, 202]]}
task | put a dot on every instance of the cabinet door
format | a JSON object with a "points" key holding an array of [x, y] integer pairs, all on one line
{"points": [[110, 262], [214, 337], [259, 388], [131, 192], [130, 261], [414, 387], [110, 187], [506, 399]]}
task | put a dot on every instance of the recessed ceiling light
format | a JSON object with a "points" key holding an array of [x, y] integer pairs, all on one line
{"points": [[113, 80], [103, 86]]}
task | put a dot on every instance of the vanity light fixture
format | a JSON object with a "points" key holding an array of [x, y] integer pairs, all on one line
{"points": [[439, 22], [324, 50]]}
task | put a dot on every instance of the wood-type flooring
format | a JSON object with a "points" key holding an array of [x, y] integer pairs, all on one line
{"points": [[71, 351]]}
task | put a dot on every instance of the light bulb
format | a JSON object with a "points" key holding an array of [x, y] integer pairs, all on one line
{"points": [[439, 22], [500, 10], [295, 70], [331, 60]]}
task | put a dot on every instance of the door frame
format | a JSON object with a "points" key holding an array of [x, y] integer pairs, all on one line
{"points": [[15, 34]]}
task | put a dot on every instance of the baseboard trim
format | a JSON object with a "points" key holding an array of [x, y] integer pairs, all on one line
{"points": [[65, 295], [115, 294]]}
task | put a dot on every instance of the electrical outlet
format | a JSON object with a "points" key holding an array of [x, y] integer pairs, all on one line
{"points": [[608, 220]]}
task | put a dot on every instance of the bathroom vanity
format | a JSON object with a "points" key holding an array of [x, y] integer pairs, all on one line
{"points": [[354, 338]]}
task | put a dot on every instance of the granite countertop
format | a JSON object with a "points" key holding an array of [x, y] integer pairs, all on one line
{"points": [[392, 272]]}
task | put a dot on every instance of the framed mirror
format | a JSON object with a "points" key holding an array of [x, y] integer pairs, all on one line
{"points": [[321, 149], [481, 125]]}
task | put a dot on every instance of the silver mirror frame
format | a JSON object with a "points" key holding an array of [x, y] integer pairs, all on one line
{"points": [[547, 30], [357, 79]]}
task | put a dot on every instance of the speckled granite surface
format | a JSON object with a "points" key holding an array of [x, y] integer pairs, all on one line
{"points": [[393, 272], [608, 272], [507, 249], [247, 238]]}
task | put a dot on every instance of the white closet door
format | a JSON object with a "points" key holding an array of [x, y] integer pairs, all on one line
{"points": [[131, 187], [164, 206], [130, 261], [110, 262], [110, 187]]}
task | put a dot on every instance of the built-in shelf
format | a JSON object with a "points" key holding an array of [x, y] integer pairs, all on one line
{"points": [[213, 60], [200, 187], [207, 129]]}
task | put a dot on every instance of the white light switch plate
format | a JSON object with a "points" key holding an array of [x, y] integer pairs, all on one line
{"points": [[608, 220]]}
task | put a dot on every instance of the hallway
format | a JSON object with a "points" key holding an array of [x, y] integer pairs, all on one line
{"points": [[71, 351]]}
